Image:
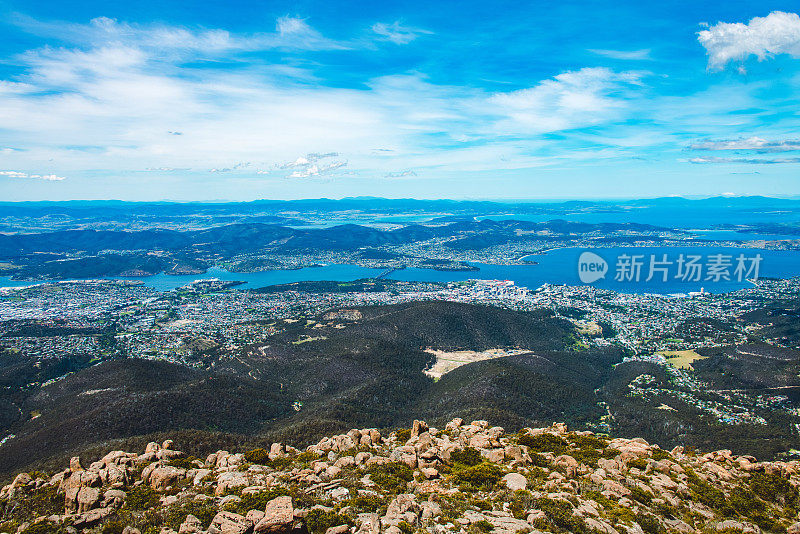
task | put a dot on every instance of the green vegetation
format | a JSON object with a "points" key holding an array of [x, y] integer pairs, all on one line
{"points": [[466, 457], [544, 443], [202, 510], [257, 456], [318, 521], [559, 514], [483, 526], [774, 488], [141, 498], [484, 475], [44, 527], [367, 503], [393, 477], [184, 463]]}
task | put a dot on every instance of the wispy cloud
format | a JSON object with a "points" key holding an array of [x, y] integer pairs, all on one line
{"points": [[311, 165], [46, 177], [777, 33], [755, 144], [626, 55], [751, 161], [398, 33], [317, 169], [290, 32], [400, 174], [568, 100]]}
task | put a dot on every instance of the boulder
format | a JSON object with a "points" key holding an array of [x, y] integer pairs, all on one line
{"points": [[87, 499], [230, 523], [278, 516], [741, 526], [418, 428], [254, 516], [405, 454], [114, 498], [190, 525], [162, 477], [505, 523], [404, 507], [515, 481], [369, 523], [230, 480]]}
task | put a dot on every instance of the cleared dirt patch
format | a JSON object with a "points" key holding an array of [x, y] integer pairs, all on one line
{"points": [[447, 361]]}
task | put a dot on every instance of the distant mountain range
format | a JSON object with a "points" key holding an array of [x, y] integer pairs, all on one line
{"points": [[373, 204]]}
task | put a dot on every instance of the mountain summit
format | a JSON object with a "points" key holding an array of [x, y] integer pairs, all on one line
{"points": [[467, 478]]}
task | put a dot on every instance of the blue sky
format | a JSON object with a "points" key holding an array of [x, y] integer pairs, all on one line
{"points": [[247, 100]]}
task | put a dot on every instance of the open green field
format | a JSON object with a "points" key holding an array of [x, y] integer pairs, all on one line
{"points": [[682, 359]]}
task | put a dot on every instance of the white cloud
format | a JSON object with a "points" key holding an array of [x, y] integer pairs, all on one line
{"points": [[626, 55], [398, 33], [571, 99], [755, 144], [317, 170], [308, 159], [777, 33], [400, 174], [752, 161], [18, 174], [290, 32], [307, 166], [127, 98]]}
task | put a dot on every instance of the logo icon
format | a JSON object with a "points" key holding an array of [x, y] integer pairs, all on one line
{"points": [[591, 267]]}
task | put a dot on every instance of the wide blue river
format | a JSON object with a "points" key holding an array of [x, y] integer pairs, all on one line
{"points": [[556, 267]]}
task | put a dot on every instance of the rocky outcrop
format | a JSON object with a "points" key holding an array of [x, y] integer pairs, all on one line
{"points": [[467, 478]]}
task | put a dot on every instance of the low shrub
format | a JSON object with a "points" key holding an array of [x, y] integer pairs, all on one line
{"points": [[559, 513], [707, 494], [141, 498], [643, 496], [367, 503], [184, 463], [392, 477], [610, 453], [521, 502], [773, 487], [483, 475], [114, 526], [638, 463], [649, 523], [257, 456], [44, 527], [543, 443], [590, 442], [318, 521], [483, 526], [202, 510], [661, 454], [587, 456], [539, 460], [469, 456], [256, 501]]}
